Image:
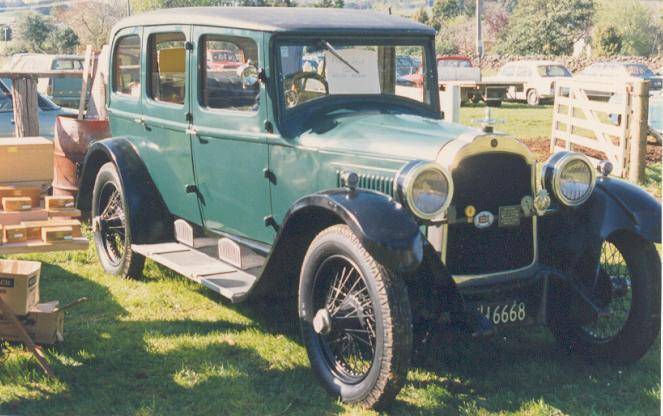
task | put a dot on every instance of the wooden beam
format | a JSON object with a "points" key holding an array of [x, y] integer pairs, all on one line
{"points": [[26, 112], [40, 74], [639, 129]]}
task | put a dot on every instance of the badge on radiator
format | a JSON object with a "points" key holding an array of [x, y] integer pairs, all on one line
{"points": [[509, 216], [484, 219]]}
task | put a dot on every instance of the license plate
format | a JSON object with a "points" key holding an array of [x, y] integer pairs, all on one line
{"points": [[505, 312]]}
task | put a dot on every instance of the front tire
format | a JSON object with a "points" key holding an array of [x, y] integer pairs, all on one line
{"points": [[112, 231], [630, 270], [355, 319]]}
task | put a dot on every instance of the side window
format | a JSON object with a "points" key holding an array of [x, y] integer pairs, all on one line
{"points": [[522, 71], [126, 66], [507, 71], [167, 67], [67, 64], [6, 103], [222, 59]]}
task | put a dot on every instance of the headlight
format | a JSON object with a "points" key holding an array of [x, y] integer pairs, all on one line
{"points": [[425, 188], [570, 176]]}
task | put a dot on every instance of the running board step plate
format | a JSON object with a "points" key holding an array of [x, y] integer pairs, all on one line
{"points": [[202, 268]]}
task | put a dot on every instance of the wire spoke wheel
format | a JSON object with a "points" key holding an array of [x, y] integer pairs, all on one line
{"points": [[348, 339], [613, 283], [112, 223]]}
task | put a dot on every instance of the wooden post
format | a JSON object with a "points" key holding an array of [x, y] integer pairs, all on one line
{"points": [[639, 128], [87, 67], [26, 112], [450, 102]]}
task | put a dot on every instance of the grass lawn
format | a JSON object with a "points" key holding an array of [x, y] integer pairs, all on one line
{"points": [[164, 345]]}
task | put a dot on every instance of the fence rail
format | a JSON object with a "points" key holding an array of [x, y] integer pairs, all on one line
{"points": [[607, 120]]}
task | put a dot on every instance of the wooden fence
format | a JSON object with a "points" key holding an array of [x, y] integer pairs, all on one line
{"points": [[605, 120]]}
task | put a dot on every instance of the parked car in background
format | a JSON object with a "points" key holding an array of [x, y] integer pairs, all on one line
{"points": [[329, 186], [538, 79], [48, 111], [64, 91], [621, 71], [219, 60]]}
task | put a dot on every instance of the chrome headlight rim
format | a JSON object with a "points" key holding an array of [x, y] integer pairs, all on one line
{"points": [[404, 183], [552, 174]]}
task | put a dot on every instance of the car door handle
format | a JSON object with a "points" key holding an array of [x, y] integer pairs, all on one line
{"points": [[139, 120], [192, 131]]}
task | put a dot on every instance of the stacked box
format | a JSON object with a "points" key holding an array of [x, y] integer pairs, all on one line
{"points": [[55, 234], [34, 227], [19, 284], [16, 203], [26, 160], [14, 234], [34, 193], [59, 202]]}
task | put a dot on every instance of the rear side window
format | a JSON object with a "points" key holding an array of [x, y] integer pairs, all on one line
{"points": [[126, 66], [223, 59], [167, 67]]}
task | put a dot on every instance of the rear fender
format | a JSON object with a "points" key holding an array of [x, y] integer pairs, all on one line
{"points": [[149, 218]]}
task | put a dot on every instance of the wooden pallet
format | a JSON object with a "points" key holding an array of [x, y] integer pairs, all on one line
{"points": [[38, 246]]}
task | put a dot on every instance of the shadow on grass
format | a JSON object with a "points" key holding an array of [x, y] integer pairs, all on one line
{"points": [[110, 364]]}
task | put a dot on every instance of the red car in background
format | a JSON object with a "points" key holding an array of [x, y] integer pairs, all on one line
{"points": [[218, 60]]}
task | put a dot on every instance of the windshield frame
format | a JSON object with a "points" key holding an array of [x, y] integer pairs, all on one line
{"points": [[426, 42]]}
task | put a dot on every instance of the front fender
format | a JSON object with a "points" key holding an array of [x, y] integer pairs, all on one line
{"points": [[616, 206], [385, 228], [149, 218]]}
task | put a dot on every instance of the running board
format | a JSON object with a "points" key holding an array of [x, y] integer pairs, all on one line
{"points": [[201, 266]]}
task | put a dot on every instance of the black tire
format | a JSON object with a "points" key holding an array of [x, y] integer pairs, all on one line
{"points": [[533, 98], [633, 331], [112, 231], [377, 304]]}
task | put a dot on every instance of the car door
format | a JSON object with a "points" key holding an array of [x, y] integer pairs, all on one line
{"points": [[229, 141], [523, 75], [166, 149]]}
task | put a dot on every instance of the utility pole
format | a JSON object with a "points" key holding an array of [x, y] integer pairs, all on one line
{"points": [[128, 7], [479, 12]]}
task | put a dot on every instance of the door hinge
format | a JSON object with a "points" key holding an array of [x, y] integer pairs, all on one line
{"points": [[188, 46], [188, 117], [269, 175], [191, 189], [271, 222]]}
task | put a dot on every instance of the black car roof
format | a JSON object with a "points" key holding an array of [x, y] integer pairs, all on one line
{"points": [[282, 19]]}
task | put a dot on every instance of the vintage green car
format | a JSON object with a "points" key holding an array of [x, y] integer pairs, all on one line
{"points": [[308, 165]]}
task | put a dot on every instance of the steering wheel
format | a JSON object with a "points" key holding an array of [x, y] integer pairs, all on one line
{"points": [[298, 86]]}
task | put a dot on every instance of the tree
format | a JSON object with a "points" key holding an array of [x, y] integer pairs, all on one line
{"points": [[39, 34], [330, 4], [456, 36], [444, 10], [607, 41], [92, 21], [635, 27], [421, 16], [546, 27]]}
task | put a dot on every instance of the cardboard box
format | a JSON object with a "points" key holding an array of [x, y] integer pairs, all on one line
{"points": [[59, 202], [34, 193], [54, 234], [26, 159], [34, 227], [13, 218], [19, 284], [16, 203], [14, 234], [44, 323]]}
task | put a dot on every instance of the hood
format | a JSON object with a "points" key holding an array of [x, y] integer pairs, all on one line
{"points": [[399, 136]]}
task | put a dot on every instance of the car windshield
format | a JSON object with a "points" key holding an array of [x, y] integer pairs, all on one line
{"points": [[319, 68], [6, 103], [638, 70], [553, 71], [68, 64]]}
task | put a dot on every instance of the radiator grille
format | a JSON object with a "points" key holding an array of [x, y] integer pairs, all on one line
{"points": [[488, 182], [379, 183]]}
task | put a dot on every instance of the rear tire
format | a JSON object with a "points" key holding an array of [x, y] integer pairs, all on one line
{"points": [[533, 98], [112, 230], [355, 319], [633, 325]]}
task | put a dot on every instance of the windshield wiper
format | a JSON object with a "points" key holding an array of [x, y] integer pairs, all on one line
{"points": [[328, 46]]}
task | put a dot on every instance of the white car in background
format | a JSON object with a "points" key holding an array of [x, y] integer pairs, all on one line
{"points": [[538, 79]]}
